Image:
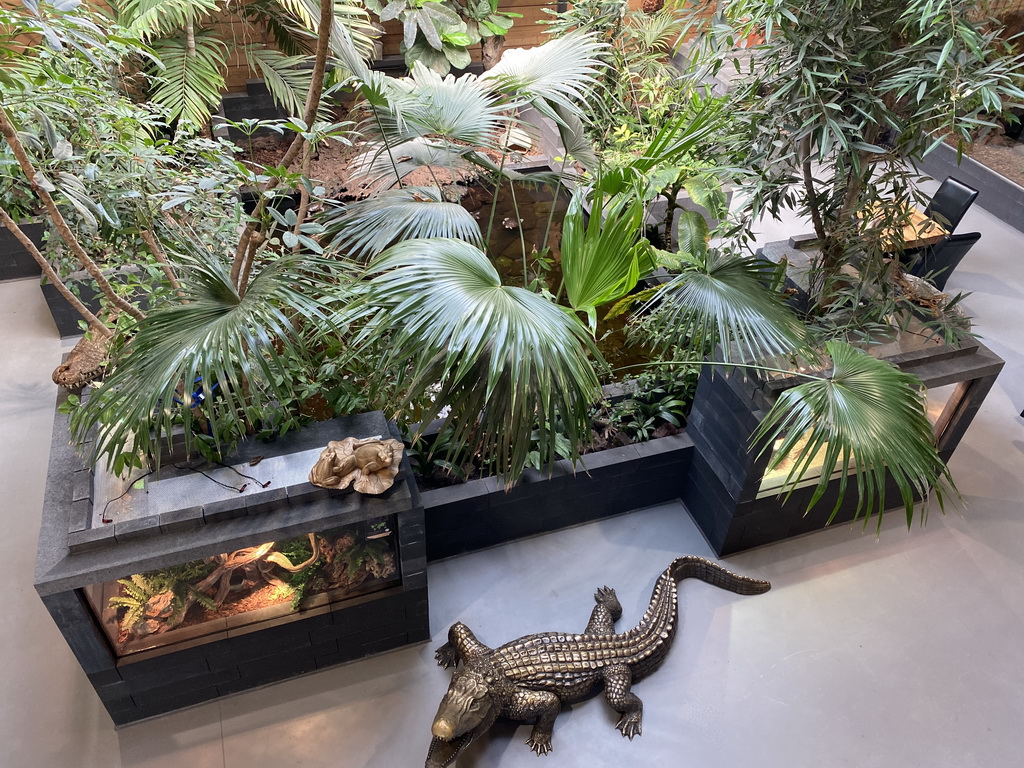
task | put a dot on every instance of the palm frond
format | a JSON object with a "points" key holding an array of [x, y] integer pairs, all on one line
{"points": [[287, 82], [505, 360], [870, 414], [454, 109], [287, 33], [601, 259], [352, 29], [153, 18], [231, 347], [723, 297], [190, 84], [559, 73], [366, 227], [385, 165]]}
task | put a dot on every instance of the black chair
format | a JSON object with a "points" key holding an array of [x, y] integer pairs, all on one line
{"points": [[939, 261], [950, 203]]}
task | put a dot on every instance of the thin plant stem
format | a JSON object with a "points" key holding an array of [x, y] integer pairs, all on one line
{"points": [[519, 227], [494, 201], [712, 363]]}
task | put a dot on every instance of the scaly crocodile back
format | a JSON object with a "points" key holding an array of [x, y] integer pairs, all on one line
{"points": [[651, 638]]}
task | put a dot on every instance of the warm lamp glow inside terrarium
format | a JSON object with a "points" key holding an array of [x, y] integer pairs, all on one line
{"points": [[206, 598], [939, 404]]}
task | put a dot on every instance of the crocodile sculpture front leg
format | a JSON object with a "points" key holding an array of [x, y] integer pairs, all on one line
{"points": [[543, 705], [462, 646]]}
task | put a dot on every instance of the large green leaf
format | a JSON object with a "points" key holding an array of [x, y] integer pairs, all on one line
{"points": [[723, 297], [600, 258], [235, 345], [366, 227], [869, 414], [504, 360]]}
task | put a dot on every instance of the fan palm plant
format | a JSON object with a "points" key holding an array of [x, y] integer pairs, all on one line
{"points": [[445, 309], [214, 360]]}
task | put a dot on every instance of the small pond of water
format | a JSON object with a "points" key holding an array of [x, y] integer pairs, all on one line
{"points": [[524, 223]]}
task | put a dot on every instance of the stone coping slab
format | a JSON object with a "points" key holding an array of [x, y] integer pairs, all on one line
{"points": [[172, 532]]}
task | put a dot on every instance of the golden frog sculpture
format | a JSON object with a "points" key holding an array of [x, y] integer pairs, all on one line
{"points": [[368, 465]]}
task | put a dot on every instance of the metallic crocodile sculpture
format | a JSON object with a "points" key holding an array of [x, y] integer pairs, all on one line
{"points": [[532, 677]]}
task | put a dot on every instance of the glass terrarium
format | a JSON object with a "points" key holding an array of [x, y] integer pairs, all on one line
{"points": [[234, 589]]}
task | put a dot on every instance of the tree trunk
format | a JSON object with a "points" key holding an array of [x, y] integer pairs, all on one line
{"points": [[491, 49], [244, 250]]}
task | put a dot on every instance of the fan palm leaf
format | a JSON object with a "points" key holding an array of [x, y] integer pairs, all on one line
{"points": [[558, 74], [231, 346], [366, 227], [866, 413], [191, 81], [723, 297], [455, 109], [506, 361], [386, 165]]}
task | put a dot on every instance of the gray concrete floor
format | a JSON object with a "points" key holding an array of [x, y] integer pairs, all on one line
{"points": [[898, 651]]}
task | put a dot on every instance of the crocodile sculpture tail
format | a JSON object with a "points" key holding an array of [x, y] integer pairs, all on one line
{"points": [[693, 567]]}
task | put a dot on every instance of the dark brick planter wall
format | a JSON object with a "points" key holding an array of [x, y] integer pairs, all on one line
{"points": [[171, 677], [65, 318], [15, 261], [479, 514]]}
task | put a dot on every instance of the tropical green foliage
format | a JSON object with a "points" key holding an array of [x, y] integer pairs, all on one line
{"points": [[438, 33], [187, 60], [877, 410], [841, 95], [210, 360], [498, 357], [250, 328], [603, 259]]}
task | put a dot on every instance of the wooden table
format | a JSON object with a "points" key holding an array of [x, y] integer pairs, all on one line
{"points": [[919, 231]]}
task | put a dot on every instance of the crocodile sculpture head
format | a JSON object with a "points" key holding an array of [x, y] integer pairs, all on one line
{"points": [[467, 710]]}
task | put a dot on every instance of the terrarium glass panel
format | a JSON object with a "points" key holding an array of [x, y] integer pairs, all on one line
{"points": [[246, 586], [772, 482]]}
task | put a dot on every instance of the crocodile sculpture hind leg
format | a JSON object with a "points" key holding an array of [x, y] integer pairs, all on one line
{"points": [[617, 681], [607, 611]]}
